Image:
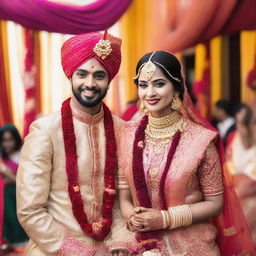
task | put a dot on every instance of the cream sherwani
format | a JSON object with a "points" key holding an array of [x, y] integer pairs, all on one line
{"points": [[43, 203]]}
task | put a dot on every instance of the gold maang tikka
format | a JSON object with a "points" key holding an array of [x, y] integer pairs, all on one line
{"points": [[148, 68]]}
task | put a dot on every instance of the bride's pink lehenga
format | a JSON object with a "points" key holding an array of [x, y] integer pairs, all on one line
{"points": [[197, 165]]}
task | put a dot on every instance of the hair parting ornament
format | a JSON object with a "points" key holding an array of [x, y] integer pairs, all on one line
{"points": [[149, 68]]}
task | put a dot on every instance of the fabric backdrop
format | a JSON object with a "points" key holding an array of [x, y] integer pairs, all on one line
{"points": [[187, 23], [63, 18]]}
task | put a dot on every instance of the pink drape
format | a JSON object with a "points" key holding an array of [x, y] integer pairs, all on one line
{"points": [[29, 82], [194, 21], [61, 18]]}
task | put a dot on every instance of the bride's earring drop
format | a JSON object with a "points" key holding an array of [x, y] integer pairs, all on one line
{"points": [[176, 102]]}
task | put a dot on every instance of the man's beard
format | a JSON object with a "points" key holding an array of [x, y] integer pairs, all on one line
{"points": [[89, 101]]}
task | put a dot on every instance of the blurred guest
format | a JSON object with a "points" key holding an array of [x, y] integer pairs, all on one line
{"points": [[10, 144], [241, 155], [226, 122], [131, 112]]}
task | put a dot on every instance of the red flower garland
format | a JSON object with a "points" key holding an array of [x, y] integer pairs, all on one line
{"points": [[100, 229], [140, 180]]}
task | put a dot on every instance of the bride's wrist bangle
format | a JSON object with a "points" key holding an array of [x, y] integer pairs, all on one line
{"points": [[165, 218], [180, 216]]}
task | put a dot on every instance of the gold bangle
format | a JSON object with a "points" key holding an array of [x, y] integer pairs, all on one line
{"points": [[164, 219], [168, 219], [181, 216]]}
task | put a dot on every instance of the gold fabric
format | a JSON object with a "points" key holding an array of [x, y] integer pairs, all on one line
{"points": [[43, 203]]}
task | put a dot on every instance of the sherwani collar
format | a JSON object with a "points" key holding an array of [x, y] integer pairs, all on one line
{"points": [[82, 116]]}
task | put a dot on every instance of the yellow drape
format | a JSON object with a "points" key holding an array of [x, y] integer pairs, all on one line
{"points": [[215, 66], [55, 87], [201, 66], [247, 51], [216, 69], [200, 63], [4, 40], [15, 50], [137, 27]]}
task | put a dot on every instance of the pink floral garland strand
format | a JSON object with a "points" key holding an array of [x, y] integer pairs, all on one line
{"points": [[104, 225], [149, 239]]}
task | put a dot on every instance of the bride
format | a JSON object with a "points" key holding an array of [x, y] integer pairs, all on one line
{"points": [[167, 157]]}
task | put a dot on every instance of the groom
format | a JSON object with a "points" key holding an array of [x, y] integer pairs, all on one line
{"points": [[66, 178]]}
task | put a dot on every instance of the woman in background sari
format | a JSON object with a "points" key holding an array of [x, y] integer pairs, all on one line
{"points": [[169, 156], [10, 144]]}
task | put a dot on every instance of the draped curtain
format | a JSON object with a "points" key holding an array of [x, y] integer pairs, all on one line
{"points": [[188, 23], [63, 18], [31, 93], [248, 63], [202, 85], [30, 78], [16, 56], [138, 27], [5, 108], [5, 104]]}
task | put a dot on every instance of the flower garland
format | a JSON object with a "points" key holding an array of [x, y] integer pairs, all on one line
{"points": [[148, 239], [97, 230]]}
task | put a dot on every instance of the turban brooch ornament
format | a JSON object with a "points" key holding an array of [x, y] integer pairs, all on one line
{"points": [[103, 48]]}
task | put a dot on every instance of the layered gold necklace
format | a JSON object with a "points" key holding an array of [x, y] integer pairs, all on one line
{"points": [[164, 127], [160, 131]]}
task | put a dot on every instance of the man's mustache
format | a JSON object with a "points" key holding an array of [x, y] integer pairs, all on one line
{"points": [[91, 89]]}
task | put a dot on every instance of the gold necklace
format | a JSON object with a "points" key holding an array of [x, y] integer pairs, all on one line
{"points": [[164, 122], [159, 131], [157, 134]]}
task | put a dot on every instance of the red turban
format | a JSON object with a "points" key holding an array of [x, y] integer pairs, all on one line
{"points": [[80, 48]]}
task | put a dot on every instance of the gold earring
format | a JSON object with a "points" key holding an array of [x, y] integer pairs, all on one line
{"points": [[142, 108], [176, 102]]}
